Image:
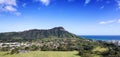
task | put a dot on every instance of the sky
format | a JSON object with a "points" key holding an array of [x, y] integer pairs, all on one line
{"points": [[81, 17]]}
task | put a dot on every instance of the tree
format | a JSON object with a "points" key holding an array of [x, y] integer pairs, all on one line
{"points": [[34, 48], [14, 51]]}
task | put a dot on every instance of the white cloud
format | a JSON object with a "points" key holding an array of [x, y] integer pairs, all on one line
{"points": [[45, 2], [17, 13], [8, 6], [110, 21], [8, 2], [102, 7], [118, 20], [87, 1], [102, 22], [118, 2], [24, 4]]}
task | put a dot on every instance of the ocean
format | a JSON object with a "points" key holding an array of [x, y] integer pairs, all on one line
{"points": [[101, 37]]}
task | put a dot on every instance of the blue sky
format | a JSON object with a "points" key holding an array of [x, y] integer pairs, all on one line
{"points": [[81, 17]]}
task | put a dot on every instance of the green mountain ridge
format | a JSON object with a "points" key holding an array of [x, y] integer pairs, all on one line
{"points": [[57, 32]]}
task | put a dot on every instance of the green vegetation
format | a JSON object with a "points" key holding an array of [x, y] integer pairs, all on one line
{"points": [[85, 47], [106, 50], [55, 42], [43, 54], [100, 49], [35, 34]]}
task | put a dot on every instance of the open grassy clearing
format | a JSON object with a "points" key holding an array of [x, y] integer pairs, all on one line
{"points": [[100, 49], [43, 54]]}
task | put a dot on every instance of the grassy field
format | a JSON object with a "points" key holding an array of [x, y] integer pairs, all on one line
{"points": [[52, 53], [100, 49], [43, 54]]}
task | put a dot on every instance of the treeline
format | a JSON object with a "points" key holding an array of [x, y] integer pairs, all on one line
{"points": [[111, 50], [56, 44]]}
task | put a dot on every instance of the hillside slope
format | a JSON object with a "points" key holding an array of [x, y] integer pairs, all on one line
{"points": [[57, 32]]}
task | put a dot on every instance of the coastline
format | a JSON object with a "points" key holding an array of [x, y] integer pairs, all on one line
{"points": [[102, 37]]}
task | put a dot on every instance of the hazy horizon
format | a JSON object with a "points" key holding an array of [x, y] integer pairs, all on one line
{"points": [[81, 17]]}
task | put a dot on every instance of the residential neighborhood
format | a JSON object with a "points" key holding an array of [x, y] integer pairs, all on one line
{"points": [[116, 42]]}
